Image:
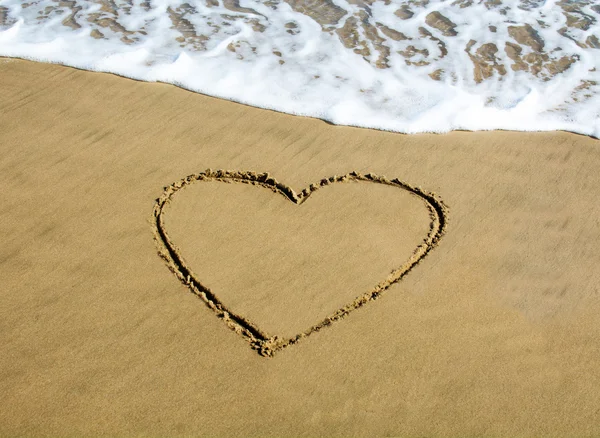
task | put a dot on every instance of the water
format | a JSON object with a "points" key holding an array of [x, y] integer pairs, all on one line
{"points": [[407, 66]]}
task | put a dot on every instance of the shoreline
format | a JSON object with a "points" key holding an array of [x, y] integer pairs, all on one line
{"points": [[494, 333], [240, 102]]}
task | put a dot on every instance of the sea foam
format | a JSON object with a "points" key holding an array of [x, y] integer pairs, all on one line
{"points": [[406, 66]]}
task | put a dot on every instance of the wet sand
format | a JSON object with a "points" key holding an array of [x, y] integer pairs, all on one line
{"points": [[495, 332]]}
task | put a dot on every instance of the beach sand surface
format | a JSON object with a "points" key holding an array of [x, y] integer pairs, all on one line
{"points": [[495, 332]]}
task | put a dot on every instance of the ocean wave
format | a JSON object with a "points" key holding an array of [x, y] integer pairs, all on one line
{"points": [[405, 66]]}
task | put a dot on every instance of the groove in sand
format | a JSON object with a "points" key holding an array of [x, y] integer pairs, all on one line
{"points": [[263, 343]]}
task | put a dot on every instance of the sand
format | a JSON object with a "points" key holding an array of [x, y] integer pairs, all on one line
{"points": [[495, 332]]}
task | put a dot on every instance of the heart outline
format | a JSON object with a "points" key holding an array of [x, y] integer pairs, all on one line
{"points": [[264, 344]]}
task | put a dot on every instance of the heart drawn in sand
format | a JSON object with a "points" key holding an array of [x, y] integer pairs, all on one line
{"points": [[263, 343]]}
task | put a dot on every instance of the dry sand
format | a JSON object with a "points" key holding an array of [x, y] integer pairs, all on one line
{"points": [[495, 332]]}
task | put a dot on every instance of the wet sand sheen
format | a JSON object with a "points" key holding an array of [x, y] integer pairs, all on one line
{"points": [[495, 332]]}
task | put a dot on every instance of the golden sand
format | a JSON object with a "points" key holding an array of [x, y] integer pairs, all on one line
{"points": [[495, 332]]}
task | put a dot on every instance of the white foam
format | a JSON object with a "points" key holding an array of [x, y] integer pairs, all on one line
{"points": [[319, 76]]}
